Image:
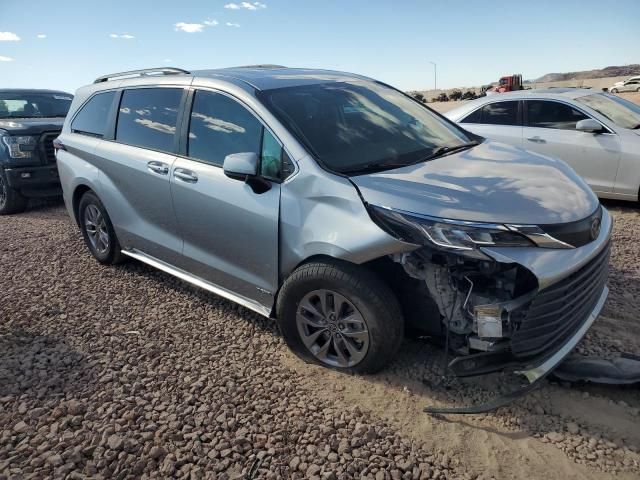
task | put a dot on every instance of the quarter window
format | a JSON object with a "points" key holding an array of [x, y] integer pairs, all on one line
{"points": [[93, 117], [271, 161], [500, 113], [220, 126], [148, 118], [543, 114]]}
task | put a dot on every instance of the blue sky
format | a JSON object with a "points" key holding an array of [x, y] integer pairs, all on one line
{"points": [[472, 42]]}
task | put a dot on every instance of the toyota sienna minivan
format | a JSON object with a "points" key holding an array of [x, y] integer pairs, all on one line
{"points": [[341, 207]]}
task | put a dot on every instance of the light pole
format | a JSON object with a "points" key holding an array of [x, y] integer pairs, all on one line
{"points": [[435, 76]]}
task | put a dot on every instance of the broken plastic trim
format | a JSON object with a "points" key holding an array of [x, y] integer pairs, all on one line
{"points": [[534, 374]]}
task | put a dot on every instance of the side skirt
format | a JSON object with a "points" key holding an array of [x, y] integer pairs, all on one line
{"points": [[197, 281]]}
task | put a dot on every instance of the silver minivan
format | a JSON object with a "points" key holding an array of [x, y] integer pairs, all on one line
{"points": [[343, 208]]}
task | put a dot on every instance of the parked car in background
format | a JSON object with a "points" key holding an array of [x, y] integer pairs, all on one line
{"points": [[598, 134], [631, 85], [29, 122], [342, 207]]}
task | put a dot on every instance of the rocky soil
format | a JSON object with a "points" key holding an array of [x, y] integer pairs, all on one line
{"points": [[125, 372]]}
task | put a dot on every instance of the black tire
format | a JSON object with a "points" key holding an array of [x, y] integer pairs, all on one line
{"points": [[11, 200], [614, 90], [110, 254], [374, 301]]}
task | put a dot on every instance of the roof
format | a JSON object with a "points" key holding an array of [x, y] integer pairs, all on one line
{"points": [[30, 90], [266, 77]]}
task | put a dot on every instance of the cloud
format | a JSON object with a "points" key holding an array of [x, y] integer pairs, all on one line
{"points": [[41, 35], [5, 59], [210, 23], [189, 27], [245, 5], [9, 37], [231, 24], [125, 36]]}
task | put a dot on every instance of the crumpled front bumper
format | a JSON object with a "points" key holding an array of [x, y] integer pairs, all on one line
{"points": [[540, 370]]}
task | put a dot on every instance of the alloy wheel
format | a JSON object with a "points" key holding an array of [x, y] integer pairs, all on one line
{"points": [[332, 328], [96, 228]]}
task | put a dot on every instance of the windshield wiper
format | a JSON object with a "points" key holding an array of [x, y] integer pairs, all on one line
{"points": [[438, 152], [375, 167], [447, 150]]}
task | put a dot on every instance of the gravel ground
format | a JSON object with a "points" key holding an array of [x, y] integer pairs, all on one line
{"points": [[126, 372]]}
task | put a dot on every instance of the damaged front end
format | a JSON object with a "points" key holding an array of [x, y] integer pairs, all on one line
{"points": [[508, 297]]}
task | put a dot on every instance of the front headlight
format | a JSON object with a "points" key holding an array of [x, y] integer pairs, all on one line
{"points": [[20, 146], [446, 234]]}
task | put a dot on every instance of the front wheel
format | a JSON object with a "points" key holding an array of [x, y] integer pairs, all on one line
{"points": [[614, 90], [11, 200], [340, 316], [98, 231]]}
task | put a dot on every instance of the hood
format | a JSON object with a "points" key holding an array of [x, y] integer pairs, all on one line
{"points": [[492, 182], [30, 126]]}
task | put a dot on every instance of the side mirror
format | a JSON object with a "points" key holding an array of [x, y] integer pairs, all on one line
{"points": [[589, 125], [241, 166], [244, 166]]}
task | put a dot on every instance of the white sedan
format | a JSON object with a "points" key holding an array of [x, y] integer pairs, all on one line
{"points": [[631, 85], [598, 134]]}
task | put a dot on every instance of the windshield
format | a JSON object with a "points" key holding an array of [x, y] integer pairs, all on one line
{"points": [[33, 105], [614, 108], [361, 125]]}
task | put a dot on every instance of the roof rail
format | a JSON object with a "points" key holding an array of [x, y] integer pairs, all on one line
{"points": [[262, 65], [141, 73]]}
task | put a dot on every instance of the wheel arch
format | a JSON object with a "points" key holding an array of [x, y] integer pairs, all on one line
{"points": [[78, 192]]}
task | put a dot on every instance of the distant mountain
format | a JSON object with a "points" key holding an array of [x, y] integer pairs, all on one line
{"points": [[622, 71]]}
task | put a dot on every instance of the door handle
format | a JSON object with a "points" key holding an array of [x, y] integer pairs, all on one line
{"points": [[185, 175], [158, 167], [536, 140]]}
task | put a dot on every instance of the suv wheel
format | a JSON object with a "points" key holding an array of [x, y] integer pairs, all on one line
{"points": [[11, 201], [340, 316], [98, 231]]}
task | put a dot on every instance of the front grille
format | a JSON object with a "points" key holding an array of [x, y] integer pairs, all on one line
{"points": [[577, 233], [46, 147], [559, 310]]}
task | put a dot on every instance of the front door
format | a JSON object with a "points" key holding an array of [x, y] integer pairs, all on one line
{"points": [[550, 129], [230, 231]]}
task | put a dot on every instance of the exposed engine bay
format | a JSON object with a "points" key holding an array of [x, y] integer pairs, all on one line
{"points": [[478, 300]]}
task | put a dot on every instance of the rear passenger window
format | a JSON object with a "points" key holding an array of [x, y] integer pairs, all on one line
{"points": [[93, 116], [558, 115], [220, 126], [474, 117], [500, 113], [148, 118]]}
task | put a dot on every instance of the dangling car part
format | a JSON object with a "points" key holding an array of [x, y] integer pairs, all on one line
{"points": [[501, 310]]}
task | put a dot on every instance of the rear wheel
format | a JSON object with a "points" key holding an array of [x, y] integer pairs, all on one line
{"points": [[340, 316], [11, 200], [98, 231]]}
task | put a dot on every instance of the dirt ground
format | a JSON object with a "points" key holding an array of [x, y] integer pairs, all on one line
{"points": [[126, 372]]}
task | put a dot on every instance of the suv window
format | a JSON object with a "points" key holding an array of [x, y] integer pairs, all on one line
{"points": [[93, 116], [220, 126], [500, 113], [545, 114], [148, 117]]}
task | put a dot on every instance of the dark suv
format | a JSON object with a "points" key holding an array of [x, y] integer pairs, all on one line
{"points": [[29, 122]]}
